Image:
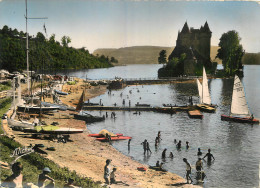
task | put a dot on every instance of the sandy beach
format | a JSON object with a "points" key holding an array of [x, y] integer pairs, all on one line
{"points": [[87, 156]]}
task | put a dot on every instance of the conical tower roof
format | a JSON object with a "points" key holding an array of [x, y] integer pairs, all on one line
{"points": [[206, 27], [185, 28]]}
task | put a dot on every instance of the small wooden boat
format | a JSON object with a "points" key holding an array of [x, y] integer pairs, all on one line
{"points": [[195, 114], [101, 135], [142, 105], [50, 129], [206, 108], [114, 138], [60, 92]]}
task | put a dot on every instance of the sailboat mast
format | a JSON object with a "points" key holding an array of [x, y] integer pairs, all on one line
{"points": [[27, 51]]}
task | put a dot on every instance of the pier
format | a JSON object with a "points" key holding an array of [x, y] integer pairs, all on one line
{"points": [[172, 109]]}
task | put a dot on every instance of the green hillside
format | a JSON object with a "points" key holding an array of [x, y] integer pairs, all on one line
{"points": [[141, 54]]}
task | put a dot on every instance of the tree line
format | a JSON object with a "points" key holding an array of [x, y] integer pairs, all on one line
{"points": [[45, 53]]}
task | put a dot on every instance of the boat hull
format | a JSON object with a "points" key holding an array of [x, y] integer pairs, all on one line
{"points": [[101, 135], [36, 108], [114, 138], [206, 108], [239, 120]]}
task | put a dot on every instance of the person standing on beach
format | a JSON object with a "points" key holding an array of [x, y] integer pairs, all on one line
{"points": [[107, 171], [188, 170], [144, 143]]}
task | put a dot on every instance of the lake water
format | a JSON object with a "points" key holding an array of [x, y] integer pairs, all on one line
{"points": [[235, 146]]}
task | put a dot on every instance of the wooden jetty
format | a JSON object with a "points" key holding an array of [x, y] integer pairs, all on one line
{"points": [[170, 110], [195, 114]]}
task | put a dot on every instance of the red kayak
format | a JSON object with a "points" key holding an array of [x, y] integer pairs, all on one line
{"points": [[101, 135], [113, 138]]}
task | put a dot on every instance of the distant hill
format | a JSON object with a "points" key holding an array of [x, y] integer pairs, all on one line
{"points": [[149, 54], [141, 54]]}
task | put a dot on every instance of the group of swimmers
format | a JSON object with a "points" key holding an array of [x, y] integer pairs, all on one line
{"points": [[199, 164]]}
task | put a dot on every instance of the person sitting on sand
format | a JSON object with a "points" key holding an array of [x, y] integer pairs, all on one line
{"points": [[16, 179], [107, 171], [44, 176], [113, 176]]}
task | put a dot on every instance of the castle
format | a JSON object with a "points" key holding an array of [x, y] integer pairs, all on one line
{"points": [[195, 43]]}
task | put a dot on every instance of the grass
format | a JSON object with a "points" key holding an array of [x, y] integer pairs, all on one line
{"points": [[34, 163]]}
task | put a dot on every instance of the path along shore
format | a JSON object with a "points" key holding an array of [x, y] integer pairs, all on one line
{"points": [[87, 156]]}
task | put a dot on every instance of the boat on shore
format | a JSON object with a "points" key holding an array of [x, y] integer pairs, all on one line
{"points": [[205, 99], [239, 111], [142, 105], [60, 92]]}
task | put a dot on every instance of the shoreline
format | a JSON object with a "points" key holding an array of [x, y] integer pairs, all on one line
{"points": [[87, 156]]}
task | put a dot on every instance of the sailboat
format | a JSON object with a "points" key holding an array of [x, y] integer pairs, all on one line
{"points": [[82, 115], [205, 99], [239, 111]]}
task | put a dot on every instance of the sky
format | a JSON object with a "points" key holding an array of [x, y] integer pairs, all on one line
{"points": [[97, 24]]}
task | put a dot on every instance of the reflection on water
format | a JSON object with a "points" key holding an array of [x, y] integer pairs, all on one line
{"points": [[235, 146]]}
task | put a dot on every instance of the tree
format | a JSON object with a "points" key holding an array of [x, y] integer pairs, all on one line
{"points": [[230, 52], [162, 57], [65, 40]]}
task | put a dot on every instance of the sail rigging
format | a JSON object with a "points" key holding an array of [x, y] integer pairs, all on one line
{"points": [[204, 89], [239, 104]]}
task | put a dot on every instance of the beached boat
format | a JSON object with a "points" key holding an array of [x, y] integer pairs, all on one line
{"points": [[51, 129], [205, 100], [36, 109], [103, 139], [239, 111], [101, 135], [167, 110], [60, 92]]}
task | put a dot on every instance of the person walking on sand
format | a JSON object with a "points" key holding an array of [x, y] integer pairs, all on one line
{"points": [[107, 171], [144, 143], [164, 153], [209, 156], [188, 170]]}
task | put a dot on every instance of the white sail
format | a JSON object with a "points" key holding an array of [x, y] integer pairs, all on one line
{"points": [[239, 104], [205, 89], [200, 90]]}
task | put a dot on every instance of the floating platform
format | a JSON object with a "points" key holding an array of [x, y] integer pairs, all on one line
{"points": [[195, 114]]}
